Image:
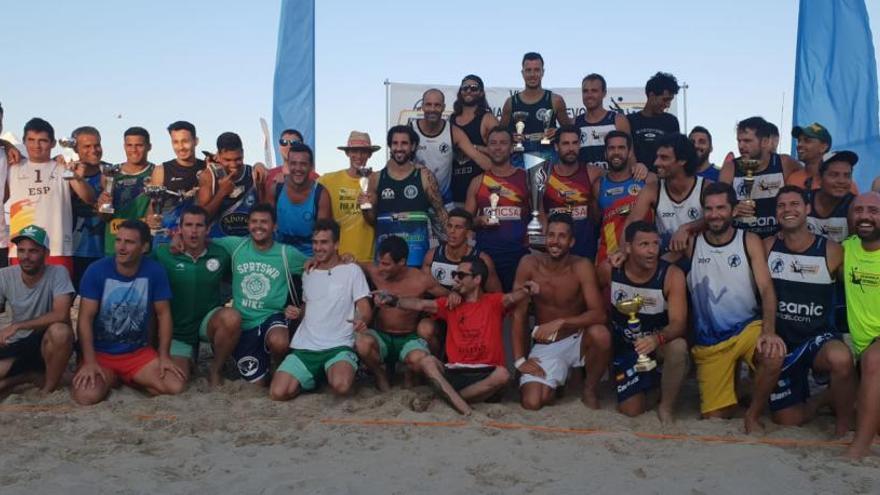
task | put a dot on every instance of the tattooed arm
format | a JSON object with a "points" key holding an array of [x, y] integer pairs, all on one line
{"points": [[432, 189]]}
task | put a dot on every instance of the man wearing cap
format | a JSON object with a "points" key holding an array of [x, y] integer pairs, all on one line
{"points": [[346, 197], [40, 337], [813, 141], [830, 203]]}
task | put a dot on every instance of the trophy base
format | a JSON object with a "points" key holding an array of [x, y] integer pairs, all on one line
{"points": [[68, 176], [748, 221], [519, 148], [546, 142], [367, 206], [156, 232], [538, 241], [108, 209], [492, 221], [644, 364]]}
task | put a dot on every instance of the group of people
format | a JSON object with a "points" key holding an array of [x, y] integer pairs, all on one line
{"points": [[646, 258]]}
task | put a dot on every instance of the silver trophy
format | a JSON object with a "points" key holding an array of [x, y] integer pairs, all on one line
{"points": [[364, 183], [520, 125], [158, 195], [70, 157], [548, 120], [110, 171], [494, 198], [538, 184]]}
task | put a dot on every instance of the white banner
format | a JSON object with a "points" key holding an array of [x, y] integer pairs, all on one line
{"points": [[405, 100]]}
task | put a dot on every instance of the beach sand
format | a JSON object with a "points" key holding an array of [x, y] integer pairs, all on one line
{"points": [[233, 439]]}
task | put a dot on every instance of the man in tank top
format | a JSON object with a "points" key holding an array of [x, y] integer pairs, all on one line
{"points": [[753, 137], [444, 259], [501, 233], [663, 320], [402, 193], [596, 122], [472, 116], [804, 267], [653, 121], [227, 190], [300, 201], [727, 275], [535, 101], [434, 150], [675, 198]]}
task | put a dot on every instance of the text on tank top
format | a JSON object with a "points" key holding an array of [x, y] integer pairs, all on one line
{"points": [[534, 122], [39, 195], [436, 154], [804, 291], [404, 195], [834, 226], [669, 215], [463, 168], [232, 217], [764, 191], [442, 267], [593, 134], [512, 211], [573, 195], [653, 314], [616, 200], [722, 289]]}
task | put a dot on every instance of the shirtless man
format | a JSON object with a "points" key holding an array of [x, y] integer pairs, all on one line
{"points": [[570, 320], [398, 335]]}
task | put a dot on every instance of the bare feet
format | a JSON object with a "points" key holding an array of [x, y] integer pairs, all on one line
{"points": [[215, 378], [382, 383], [409, 378], [753, 424], [590, 398], [665, 415], [856, 453]]}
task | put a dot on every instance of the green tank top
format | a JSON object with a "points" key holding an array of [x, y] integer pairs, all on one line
{"points": [[129, 202], [862, 284]]}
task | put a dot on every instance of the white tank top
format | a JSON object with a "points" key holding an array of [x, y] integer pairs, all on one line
{"points": [[722, 289], [38, 195], [669, 215], [436, 154]]}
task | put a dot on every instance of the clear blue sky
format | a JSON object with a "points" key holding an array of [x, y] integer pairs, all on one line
{"points": [[211, 62]]}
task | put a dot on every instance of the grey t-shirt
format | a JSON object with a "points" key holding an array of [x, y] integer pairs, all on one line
{"points": [[31, 302]]}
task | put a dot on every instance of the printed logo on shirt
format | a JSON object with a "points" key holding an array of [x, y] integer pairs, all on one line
{"points": [[693, 213], [410, 191], [212, 265], [248, 366], [634, 189], [255, 286], [734, 260], [388, 193]]}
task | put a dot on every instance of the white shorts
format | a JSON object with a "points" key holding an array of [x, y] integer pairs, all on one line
{"points": [[556, 360]]}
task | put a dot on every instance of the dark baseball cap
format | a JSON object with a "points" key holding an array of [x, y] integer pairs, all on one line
{"points": [[814, 130], [840, 156]]}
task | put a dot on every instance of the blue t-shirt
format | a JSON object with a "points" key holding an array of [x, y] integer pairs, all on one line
{"points": [[123, 320]]}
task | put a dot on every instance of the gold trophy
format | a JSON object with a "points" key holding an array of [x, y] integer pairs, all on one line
{"points": [[520, 126], [548, 119], [631, 307], [749, 166], [70, 157], [494, 197], [110, 171], [364, 183]]}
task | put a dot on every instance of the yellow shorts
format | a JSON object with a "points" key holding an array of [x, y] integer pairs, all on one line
{"points": [[717, 365]]}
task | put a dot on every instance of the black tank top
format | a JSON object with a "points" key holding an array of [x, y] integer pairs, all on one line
{"points": [[442, 267], [179, 178], [535, 110], [653, 315], [406, 195], [464, 169]]}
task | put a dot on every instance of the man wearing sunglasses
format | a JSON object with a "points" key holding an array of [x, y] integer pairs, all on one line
{"points": [[475, 365], [278, 174], [472, 116]]}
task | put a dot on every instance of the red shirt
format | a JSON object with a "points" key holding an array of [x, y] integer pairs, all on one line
{"points": [[473, 330]]}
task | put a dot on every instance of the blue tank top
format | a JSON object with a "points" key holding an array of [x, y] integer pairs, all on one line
{"points": [[295, 220], [654, 312], [592, 150]]}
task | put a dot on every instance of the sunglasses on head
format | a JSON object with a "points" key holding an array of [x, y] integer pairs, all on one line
{"points": [[473, 88], [288, 142], [460, 275]]}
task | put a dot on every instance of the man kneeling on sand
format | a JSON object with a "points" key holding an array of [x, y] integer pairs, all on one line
{"points": [[474, 343]]}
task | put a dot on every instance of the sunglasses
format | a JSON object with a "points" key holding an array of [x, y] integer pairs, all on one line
{"points": [[473, 88], [459, 275], [288, 142]]}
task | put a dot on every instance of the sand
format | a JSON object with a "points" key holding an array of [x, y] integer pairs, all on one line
{"points": [[233, 439]]}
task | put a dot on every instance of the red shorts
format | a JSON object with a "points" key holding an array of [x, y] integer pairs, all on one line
{"points": [[129, 364], [65, 261]]}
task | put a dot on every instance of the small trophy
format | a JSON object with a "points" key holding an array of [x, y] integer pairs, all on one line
{"points": [[494, 197], [548, 119], [158, 195], [110, 171], [520, 126], [749, 166], [364, 183], [631, 307], [535, 229], [70, 157], [624, 210], [569, 201]]}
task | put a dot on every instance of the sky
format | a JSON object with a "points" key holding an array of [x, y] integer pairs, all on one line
{"points": [[115, 64]]}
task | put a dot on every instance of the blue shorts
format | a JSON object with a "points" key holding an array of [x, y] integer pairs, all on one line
{"points": [[251, 354], [793, 386], [629, 382]]}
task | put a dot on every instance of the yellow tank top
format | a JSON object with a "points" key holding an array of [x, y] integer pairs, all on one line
{"points": [[862, 284], [356, 235]]}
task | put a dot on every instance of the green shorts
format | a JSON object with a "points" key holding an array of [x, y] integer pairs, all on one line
{"points": [[310, 367], [180, 348], [397, 346]]}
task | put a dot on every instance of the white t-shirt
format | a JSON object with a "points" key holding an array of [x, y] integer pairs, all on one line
{"points": [[39, 195], [330, 297]]}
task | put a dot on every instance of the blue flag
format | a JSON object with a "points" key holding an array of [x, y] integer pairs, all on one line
{"points": [[294, 88], [836, 80]]}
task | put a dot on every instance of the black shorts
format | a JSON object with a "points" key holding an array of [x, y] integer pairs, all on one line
{"points": [[461, 378], [27, 354]]}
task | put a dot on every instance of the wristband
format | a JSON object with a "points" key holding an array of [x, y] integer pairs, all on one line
{"points": [[661, 339], [519, 362]]}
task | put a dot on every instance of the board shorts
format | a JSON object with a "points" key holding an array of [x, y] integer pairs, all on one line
{"points": [[627, 381], [129, 364], [26, 353], [310, 367], [717, 365], [180, 348], [556, 359], [396, 347], [793, 385], [252, 353], [463, 377]]}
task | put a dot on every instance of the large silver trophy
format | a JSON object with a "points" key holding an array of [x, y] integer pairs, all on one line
{"points": [[158, 194], [110, 171], [548, 119], [70, 157], [364, 183], [520, 125], [536, 167]]}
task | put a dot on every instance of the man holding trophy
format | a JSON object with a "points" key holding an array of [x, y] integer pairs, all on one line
{"points": [[227, 189], [499, 201], [648, 317], [40, 193], [348, 190]]}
